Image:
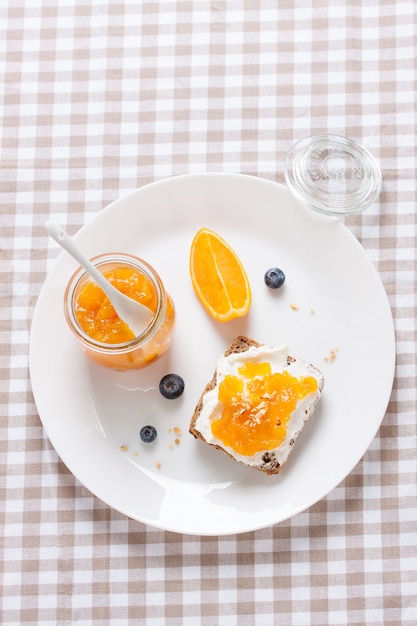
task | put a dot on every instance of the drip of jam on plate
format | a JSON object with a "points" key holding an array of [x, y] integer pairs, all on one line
{"points": [[257, 405]]}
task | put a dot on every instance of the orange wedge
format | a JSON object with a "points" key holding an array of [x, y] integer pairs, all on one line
{"points": [[218, 277]]}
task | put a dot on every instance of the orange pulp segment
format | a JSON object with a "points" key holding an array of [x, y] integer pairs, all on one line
{"points": [[218, 277]]}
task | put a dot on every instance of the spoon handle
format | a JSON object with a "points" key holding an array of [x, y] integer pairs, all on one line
{"points": [[61, 237]]}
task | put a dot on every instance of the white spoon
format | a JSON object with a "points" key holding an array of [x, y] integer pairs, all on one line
{"points": [[136, 316]]}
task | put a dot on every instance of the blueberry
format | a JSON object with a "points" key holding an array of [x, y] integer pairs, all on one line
{"points": [[274, 278], [148, 434], [171, 386]]}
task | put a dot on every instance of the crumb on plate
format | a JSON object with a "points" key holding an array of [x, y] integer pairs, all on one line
{"points": [[332, 355]]}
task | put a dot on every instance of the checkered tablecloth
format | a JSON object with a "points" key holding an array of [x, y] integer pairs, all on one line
{"points": [[99, 98]]}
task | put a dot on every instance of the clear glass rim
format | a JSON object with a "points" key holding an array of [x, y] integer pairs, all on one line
{"points": [[303, 188], [106, 260]]}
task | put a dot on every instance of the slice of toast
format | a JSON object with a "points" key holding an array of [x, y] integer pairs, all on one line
{"points": [[207, 408]]}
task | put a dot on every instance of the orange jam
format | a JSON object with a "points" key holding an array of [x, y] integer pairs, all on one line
{"points": [[96, 315], [257, 406]]}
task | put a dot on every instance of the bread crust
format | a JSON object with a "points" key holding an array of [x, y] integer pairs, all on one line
{"points": [[270, 464]]}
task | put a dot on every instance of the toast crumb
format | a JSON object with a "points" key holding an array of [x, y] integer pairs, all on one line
{"points": [[332, 355]]}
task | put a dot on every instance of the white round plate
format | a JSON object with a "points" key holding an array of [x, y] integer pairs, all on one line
{"points": [[93, 415]]}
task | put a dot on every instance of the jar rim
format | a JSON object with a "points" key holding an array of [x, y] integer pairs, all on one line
{"points": [[107, 259]]}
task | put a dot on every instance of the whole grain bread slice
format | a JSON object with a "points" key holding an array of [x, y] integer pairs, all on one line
{"points": [[271, 462]]}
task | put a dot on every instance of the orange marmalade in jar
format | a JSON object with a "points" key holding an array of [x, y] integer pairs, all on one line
{"points": [[102, 335]]}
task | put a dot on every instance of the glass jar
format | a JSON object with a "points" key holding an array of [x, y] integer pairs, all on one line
{"points": [[134, 353]]}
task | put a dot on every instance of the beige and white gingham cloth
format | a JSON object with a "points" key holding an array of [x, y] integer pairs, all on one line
{"points": [[100, 97]]}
